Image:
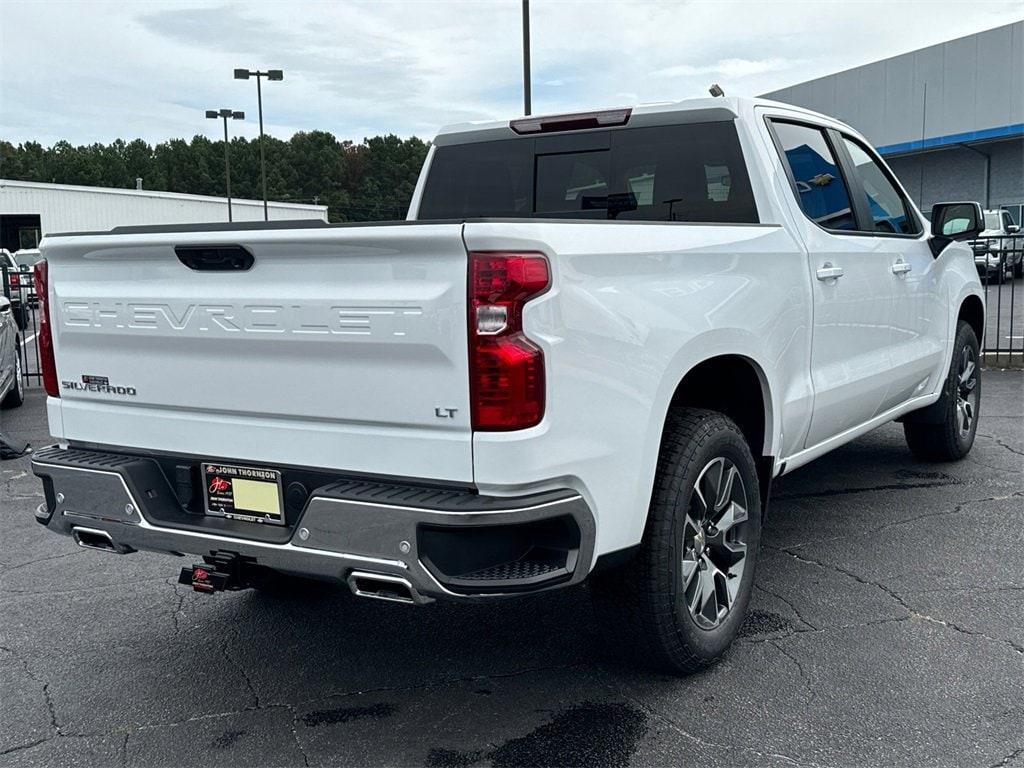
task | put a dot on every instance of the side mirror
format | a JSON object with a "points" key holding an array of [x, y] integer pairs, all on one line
{"points": [[954, 222], [1013, 229], [5, 305]]}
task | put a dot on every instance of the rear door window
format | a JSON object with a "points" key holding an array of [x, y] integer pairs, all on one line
{"points": [[818, 182], [692, 173]]}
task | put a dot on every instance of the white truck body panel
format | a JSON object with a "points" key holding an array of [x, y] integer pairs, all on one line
{"points": [[345, 341], [306, 359]]}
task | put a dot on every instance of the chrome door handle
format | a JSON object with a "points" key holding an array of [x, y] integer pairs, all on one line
{"points": [[900, 267], [829, 272]]}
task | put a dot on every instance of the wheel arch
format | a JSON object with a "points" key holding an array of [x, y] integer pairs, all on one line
{"points": [[735, 385], [972, 311]]}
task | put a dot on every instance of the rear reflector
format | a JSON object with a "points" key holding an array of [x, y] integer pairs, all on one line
{"points": [[506, 368], [45, 338], [574, 122]]}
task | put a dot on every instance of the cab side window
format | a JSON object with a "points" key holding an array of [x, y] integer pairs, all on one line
{"points": [[819, 183], [890, 212]]}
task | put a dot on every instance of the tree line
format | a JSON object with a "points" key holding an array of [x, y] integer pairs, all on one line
{"points": [[369, 181]]}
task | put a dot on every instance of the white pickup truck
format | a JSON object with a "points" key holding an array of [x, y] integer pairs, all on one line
{"points": [[587, 353]]}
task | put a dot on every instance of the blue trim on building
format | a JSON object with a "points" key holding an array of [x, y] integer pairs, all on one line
{"points": [[1003, 131]]}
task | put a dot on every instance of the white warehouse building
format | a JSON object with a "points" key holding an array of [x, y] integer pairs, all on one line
{"points": [[29, 210]]}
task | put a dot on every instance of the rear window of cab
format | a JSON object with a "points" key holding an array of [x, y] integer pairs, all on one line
{"points": [[690, 173]]}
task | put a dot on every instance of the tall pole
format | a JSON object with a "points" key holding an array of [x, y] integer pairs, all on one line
{"points": [[227, 165], [526, 57], [263, 162]]}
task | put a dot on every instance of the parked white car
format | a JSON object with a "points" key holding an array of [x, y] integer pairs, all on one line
{"points": [[12, 392], [587, 353], [997, 250]]}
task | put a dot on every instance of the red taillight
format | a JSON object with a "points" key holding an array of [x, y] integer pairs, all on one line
{"points": [[15, 281], [46, 361], [506, 369]]}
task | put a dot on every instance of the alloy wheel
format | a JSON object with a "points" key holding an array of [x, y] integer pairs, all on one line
{"points": [[966, 392], [714, 543]]}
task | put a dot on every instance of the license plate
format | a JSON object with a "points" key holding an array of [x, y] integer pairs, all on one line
{"points": [[252, 494]]}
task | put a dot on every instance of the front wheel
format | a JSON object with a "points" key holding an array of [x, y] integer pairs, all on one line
{"points": [[947, 433], [677, 605]]}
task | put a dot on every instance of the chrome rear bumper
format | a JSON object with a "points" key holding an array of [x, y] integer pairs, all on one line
{"points": [[416, 534]]}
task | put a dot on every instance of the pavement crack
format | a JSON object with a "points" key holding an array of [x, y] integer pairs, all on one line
{"points": [[811, 693], [51, 709], [47, 696], [1010, 757], [788, 602], [901, 602], [868, 489], [969, 632], [26, 745], [850, 574], [179, 609], [999, 441], [822, 630], [896, 523], [245, 675], [26, 564], [295, 736]]}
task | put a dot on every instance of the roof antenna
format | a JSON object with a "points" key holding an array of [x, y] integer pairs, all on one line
{"points": [[716, 90]]}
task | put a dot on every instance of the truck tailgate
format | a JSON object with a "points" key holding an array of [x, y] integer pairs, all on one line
{"points": [[341, 347]]}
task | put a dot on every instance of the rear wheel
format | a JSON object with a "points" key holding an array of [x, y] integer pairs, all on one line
{"points": [[949, 432], [678, 604]]}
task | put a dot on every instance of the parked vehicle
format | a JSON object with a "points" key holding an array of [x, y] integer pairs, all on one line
{"points": [[11, 383], [26, 258], [996, 252], [587, 353], [15, 288]]}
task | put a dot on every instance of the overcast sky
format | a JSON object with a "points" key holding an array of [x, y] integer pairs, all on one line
{"points": [[95, 71]]}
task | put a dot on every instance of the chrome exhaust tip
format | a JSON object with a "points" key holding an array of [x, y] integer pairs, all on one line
{"points": [[383, 586], [91, 538]]}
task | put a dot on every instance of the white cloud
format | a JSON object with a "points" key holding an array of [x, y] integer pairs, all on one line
{"points": [[732, 68], [95, 71]]}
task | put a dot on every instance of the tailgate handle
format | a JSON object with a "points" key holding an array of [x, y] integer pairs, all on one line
{"points": [[215, 258]]}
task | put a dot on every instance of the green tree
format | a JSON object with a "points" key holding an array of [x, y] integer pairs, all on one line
{"points": [[372, 180]]}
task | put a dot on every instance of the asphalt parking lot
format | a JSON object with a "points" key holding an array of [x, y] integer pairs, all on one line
{"points": [[887, 628]]}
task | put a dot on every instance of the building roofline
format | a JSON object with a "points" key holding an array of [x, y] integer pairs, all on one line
{"points": [[157, 194], [910, 52]]}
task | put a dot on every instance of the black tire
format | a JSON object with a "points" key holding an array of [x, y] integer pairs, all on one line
{"points": [[15, 396], [1018, 270], [938, 435], [642, 606]]}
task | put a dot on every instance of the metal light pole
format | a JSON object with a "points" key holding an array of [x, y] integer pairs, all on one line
{"points": [[270, 74], [526, 57], [213, 114]]}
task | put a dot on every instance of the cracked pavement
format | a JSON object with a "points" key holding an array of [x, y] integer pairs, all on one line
{"points": [[886, 629]]}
